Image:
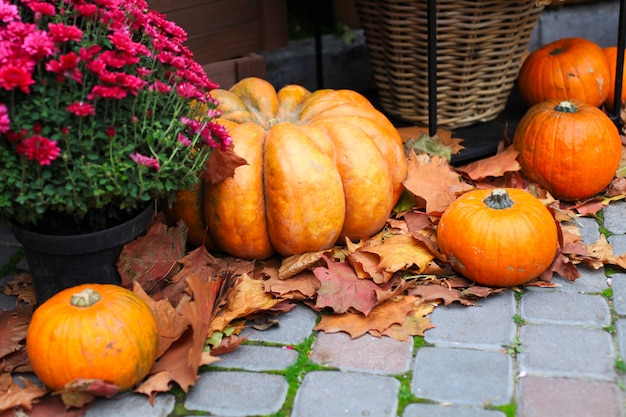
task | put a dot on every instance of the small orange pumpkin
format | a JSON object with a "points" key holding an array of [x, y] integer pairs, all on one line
{"points": [[568, 68], [611, 56], [571, 148], [92, 331], [321, 166], [499, 238]]}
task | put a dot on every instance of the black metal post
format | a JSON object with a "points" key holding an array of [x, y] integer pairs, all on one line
{"points": [[432, 67], [619, 66]]}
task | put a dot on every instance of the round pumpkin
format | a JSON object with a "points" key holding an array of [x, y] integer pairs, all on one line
{"points": [[611, 56], [321, 166], [570, 148], [500, 237], [92, 331], [568, 68]]}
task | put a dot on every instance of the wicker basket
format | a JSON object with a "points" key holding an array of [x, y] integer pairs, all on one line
{"points": [[480, 45]]}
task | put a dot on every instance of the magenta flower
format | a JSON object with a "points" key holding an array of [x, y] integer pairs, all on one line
{"points": [[80, 108], [5, 121], [145, 161], [39, 148], [103, 81]]}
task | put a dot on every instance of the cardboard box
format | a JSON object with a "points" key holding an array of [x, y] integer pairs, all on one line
{"points": [[227, 73]]}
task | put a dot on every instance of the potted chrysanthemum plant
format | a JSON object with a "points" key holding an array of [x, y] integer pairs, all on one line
{"points": [[102, 112]]}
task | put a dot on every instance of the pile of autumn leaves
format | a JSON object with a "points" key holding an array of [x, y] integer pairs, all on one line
{"points": [[385, 285]]}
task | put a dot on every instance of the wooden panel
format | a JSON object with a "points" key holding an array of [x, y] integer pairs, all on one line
{"points": [[274, 24], [227, 73], [230, 42], [224, 29]]}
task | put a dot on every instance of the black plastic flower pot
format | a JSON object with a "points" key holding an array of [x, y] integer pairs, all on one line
{"points": [[57, 262]]}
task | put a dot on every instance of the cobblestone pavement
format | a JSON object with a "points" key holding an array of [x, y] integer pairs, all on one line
{"points": [[561, 358]]}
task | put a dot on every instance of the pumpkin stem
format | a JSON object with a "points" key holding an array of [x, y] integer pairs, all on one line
{"points": [[566, 107], [273, 121], [85, 298], [498, 199]]}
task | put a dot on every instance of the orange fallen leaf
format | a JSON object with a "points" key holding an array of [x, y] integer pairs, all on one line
{"points": [[393, 311]]}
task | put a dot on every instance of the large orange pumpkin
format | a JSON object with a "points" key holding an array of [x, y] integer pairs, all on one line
{"points": [[568, 68], [92, 331], [500, 238], [321, 166], [611, 56], [571, 148]]}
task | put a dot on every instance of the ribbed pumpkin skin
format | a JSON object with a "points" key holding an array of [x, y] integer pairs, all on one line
{"points": [[114, 340], [321, 166], [498, 247], [611, 56], [568, 68], [574, 155]]}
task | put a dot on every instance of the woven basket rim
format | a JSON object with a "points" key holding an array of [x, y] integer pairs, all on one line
{"points": [[480, 44]]}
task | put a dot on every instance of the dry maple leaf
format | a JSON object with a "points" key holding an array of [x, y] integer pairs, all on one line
{"points": [[493, 166], [435, 293], [400, 252], [415, 324], [21, 285], [302, 286], [433, 180], [382, 316], [13, 395], [295, 264], [342, 290], [247, 297], [153, 257], [222, 164]]}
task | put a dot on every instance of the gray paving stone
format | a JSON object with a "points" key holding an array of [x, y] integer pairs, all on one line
{"points": [[258, 358], [561, 397], [335, 394], [7, 239], [235, 393], [620, 326], [618, 283], [7, 302], [566, 351], [614, 218], [132, 406], [565, 308], [294, 328], [618, 242], [436, 410], [590, 281], [379, 355], [6, 253], [462, 376], [589, 229], [488, 326]]}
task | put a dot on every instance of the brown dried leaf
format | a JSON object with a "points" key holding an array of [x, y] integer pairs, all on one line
{"points": [[14, 395], [342, 290], [293, 265], [435, 293], [298, 287], [415, 324], [222, 164], [433, 180], [154, 257], [21, 285], [493, 166], [393, 311], [247, 297], [400, 252]]}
